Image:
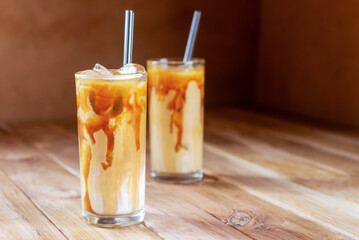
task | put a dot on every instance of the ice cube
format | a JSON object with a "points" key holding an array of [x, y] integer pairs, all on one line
{"points": [[131, 68], [164, 62], [101, 69]]}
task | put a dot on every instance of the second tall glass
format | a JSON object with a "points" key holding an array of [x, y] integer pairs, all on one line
{"points": [[176, 96]]}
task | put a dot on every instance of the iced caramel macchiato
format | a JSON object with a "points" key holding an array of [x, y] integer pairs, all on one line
{"points": [[111, 110], [176, 93]]}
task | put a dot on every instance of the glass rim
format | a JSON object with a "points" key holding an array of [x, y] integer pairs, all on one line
{"points": [[175, 61], [121, 77]]}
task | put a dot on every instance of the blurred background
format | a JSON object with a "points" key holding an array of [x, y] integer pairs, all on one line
{"points": [[295, 57]]}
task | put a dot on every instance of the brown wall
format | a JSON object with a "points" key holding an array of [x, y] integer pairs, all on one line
{"points": [[42, 44], [294, 56], [309, 58]]}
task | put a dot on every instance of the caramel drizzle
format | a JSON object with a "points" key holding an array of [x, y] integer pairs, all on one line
{"points": [[136, 119], [164, 82], [108, 103], [176, 106], [102, 124], [86, 171]]}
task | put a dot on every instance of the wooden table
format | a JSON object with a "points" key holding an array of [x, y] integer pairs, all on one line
{"points": [[265, 178]]}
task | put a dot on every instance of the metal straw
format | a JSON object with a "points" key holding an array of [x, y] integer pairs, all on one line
{"points": [[128, 38], [192, 36]]}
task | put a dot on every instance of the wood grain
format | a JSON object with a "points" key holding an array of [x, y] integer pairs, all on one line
{"points": [[309, 156], [264, 216], [239, 147], [265, 178], [56, 193], [20, 218], [160, 205]]}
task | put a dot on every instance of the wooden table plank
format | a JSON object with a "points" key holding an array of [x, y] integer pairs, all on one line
{"points": [[265, 221], [325, 172], [265, 179], [56, 193], [321, 170], [257, 153], [333, 139], [335, 215], [286, 134], [20, 218], [167, 220]]}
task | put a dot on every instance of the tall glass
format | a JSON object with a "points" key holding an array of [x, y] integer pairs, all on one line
{"points": [[111, 110], [176, 94]]}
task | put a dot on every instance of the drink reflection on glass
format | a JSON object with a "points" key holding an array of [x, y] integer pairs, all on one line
{"points": [[111, 110], [176, 94]]}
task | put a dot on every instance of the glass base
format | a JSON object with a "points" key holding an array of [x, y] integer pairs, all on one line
{"points": [[178, 178], [114, 221]]}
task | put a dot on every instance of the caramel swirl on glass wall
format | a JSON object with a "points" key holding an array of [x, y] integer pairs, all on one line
{"points": [[111, 125], [166, 81], [176, 94]]}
